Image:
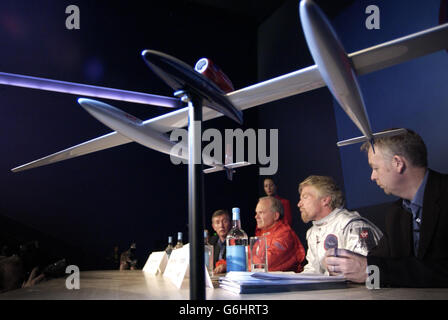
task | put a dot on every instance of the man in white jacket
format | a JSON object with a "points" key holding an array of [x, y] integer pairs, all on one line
{"points": [[322, 201]]}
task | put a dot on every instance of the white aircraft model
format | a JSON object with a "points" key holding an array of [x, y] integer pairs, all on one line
{"points": [[334, 68]]}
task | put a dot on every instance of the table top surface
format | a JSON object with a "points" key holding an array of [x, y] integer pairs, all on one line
{"points": [[137, 285]]}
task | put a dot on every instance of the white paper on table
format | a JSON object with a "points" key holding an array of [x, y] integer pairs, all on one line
{"points": [[156, 263], [208, 280], [296, 276], [177, 266]]}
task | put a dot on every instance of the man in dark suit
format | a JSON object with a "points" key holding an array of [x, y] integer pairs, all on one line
{"points": [[221, 224], [414, 249]]}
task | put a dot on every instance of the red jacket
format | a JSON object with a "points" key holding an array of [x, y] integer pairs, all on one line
{"points": [[285, 251]]}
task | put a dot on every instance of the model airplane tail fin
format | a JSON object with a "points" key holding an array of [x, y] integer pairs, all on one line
{"points": [[228, 167], [377, 135]]}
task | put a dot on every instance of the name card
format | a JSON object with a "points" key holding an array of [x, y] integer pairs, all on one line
{"points": [[156, 263], [178, 267]]}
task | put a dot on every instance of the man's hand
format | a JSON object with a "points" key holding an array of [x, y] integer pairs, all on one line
{"points": [[347, 263], [220, 269]]}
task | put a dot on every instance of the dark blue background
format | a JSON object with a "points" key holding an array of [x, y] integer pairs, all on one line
{"points": [[129, 193]]}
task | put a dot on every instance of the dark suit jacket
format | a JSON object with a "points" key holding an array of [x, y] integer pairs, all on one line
{"points": [[394, 255], [214, 242]]}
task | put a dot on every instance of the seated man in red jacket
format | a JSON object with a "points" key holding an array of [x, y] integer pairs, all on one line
{"points": [[285, 251]]}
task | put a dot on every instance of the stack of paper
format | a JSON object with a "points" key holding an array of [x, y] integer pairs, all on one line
{"points": [[260, 282]]}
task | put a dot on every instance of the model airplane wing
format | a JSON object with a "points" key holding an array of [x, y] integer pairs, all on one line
{"points": [[110, 140], [364, 61], [87, 90]]}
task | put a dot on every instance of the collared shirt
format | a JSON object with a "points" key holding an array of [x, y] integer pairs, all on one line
{"points": [[328, 218], [416, 208], [222, 247]]}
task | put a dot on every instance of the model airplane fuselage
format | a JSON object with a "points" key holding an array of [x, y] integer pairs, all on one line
{"points": [[334, 68]]}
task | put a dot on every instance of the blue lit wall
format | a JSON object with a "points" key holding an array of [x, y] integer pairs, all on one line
{"points": [[411, 95]]}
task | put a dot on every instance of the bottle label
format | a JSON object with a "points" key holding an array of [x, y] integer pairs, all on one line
{"points": [[236, 258]]}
